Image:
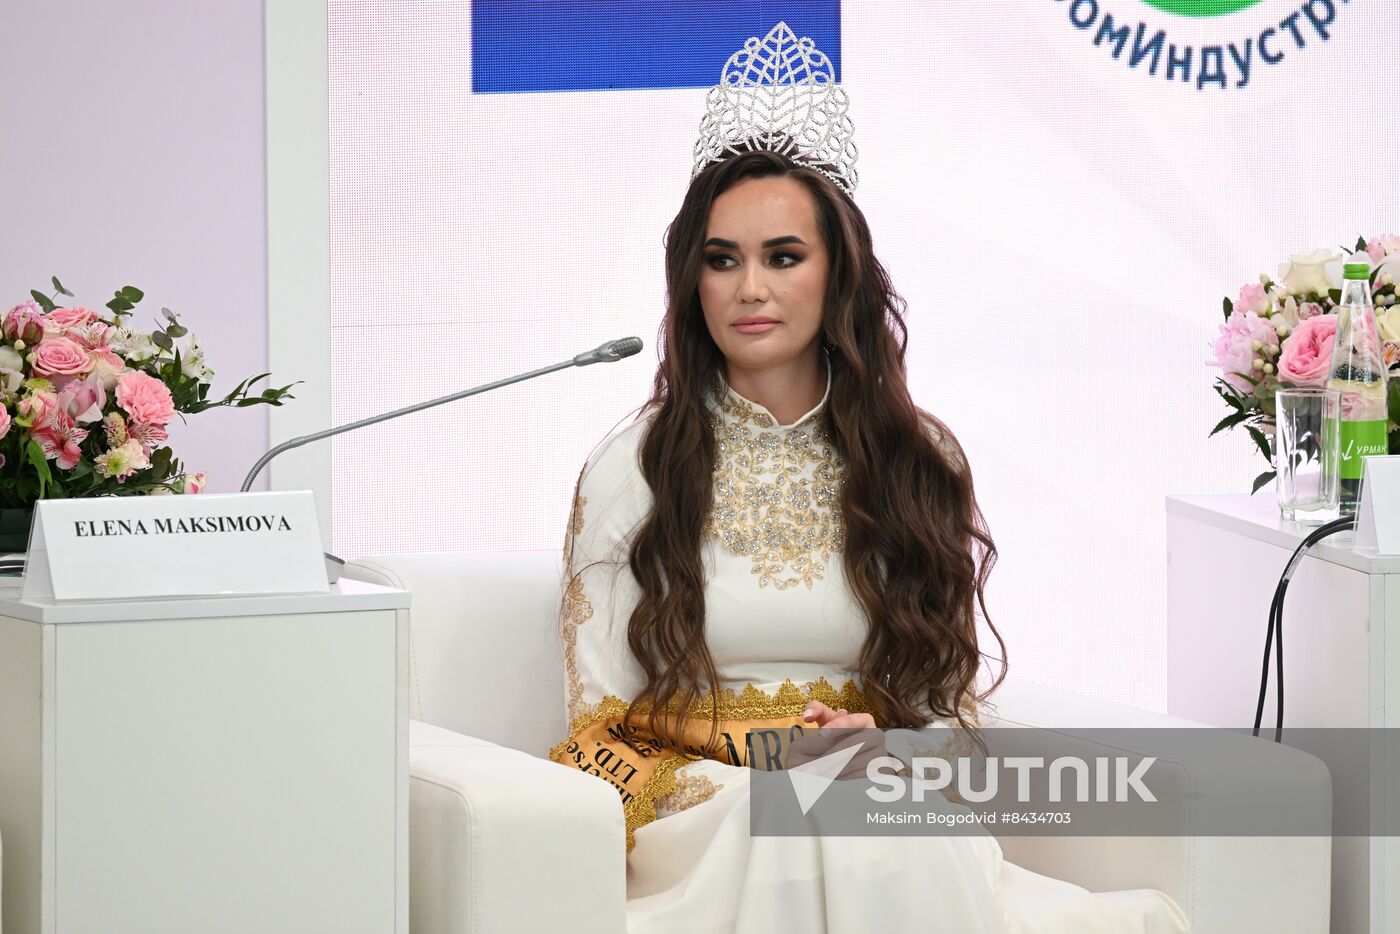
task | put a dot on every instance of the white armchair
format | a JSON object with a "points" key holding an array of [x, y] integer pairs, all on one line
{"points": [[494, 826]]}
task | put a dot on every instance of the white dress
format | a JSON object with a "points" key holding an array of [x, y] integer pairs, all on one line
{"points": [[778, 609]]}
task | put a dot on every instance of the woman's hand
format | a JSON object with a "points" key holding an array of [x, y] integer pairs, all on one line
{"points": [[839, 726]]}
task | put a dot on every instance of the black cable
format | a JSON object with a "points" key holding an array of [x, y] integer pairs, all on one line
{"points": [[1264, 675], [1278, 657], [1274, 634]]}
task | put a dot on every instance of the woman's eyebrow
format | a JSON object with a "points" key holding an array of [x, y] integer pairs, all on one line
{"points": [[776, 241]]}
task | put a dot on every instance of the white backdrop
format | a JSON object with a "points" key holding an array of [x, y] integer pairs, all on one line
{"points": [[479, 235]]}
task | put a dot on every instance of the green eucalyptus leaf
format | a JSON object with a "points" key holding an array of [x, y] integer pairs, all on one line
{"points": [[58, 287], [131, 293], [161, 340], [176, 330], [42, 300]]}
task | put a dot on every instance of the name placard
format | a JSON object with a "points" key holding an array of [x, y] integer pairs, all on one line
{"points": [[133, 547], [1378, 513]]}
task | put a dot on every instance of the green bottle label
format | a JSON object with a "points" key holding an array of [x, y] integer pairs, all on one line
{"points": [[1361, 440]]}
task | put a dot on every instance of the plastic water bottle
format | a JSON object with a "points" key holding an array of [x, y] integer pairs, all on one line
{"points": [[1358, 370]]}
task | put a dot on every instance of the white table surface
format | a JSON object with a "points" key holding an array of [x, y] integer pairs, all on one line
{"points": [[347, 595], [1257, 517]]}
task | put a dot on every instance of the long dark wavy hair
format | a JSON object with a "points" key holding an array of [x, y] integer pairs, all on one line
{"points": [[917, 551]]}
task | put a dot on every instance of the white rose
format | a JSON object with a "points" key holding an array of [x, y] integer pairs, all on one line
{"points": [[11, 372], [108, 373], [1312, 273], [1388, 323]]}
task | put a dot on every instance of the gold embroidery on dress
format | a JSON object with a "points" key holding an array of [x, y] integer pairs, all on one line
{"points": [[765, 508], [575, 523], [576, 609], [690, 790], [749, 704]]}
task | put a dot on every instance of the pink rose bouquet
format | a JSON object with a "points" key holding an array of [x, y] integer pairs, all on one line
{"points": [[1306, 358], [86, 400], [1278, 333]]}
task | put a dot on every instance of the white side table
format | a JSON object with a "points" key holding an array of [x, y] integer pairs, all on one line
{"points": [[1224, 558], [214, 765]]}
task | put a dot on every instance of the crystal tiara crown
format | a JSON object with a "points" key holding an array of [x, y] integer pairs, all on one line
{"points": [[779, 94]]}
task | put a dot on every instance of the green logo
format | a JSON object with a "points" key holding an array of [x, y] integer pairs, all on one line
{"points": [[1201, 7]]}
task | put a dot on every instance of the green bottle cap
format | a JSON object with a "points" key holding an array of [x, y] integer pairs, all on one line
{"points": [[1356, 270]]}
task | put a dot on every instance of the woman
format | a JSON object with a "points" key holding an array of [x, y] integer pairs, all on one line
{"points": [[781, 539], [784, 523]]}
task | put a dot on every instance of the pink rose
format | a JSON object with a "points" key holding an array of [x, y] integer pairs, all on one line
{"points": [[71, 317], [58, 356], [24, 322], [4, 423], [83, 399], [1252, 298], [194, 483], [1307, 354], [1234, 348], [145, 398], [60, 438]]}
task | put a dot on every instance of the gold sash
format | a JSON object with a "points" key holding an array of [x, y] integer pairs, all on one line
{"points": [[754, 730]]}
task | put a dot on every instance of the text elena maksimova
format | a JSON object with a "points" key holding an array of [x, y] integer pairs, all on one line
{"points": [[100, 528]]}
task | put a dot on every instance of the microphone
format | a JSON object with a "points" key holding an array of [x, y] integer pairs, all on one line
{"points": [[610, 352]]}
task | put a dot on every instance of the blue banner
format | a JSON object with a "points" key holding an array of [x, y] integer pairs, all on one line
{"points": [[600, 45]]}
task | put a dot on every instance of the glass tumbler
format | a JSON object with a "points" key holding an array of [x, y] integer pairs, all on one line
{"points": [[1307, 454]]}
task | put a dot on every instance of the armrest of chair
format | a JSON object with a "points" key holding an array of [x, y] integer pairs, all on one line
{"points": [[1222, 883], [500, 840]]}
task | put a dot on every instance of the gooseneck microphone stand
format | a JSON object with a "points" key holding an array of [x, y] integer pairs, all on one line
{"points": [[610, 352]]}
